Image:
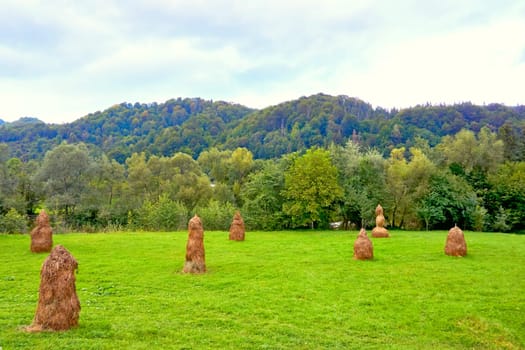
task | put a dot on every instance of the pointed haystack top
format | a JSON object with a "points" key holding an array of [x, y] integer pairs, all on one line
{"points": [[42, 218], [195, 223], [379, 210]]}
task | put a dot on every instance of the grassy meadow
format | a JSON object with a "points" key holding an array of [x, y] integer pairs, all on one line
{"points": [[276, 290]]}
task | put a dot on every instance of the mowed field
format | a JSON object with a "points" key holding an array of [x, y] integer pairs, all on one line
{"points": [[276, 290]]}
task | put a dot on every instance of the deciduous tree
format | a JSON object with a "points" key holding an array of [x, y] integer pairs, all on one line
{"points": [[311, 188]]}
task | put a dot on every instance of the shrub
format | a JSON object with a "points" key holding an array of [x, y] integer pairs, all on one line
{"points": [[216, 216], [13, 222], [164, 215], [501, 221], [479, 218]]}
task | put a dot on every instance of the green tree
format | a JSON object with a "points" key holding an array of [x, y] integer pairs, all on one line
{"points": [[449, 200], [216, 215], [407, 183], [512, 150], [188, 184], [240, 165], [65, 176], [362, 178], [139, 185], [17, 188], [162, 215], [5, 186], [311, 189], [484, 152], [262, 197], [13, 222], [506, 197], [105, 192], [215, 164]]}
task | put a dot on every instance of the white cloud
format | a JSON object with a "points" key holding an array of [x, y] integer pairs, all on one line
{"points": [[478, 64], [85, 56]]}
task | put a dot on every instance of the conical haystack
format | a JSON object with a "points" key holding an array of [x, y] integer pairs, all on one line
{"points": [[42, 234], [58, 305], [237, 227], [380, 231], [195, 262], [456, 244], [363, 248]]}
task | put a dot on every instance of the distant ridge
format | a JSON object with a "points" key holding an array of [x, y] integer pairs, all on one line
{"points": [[192, 125]]}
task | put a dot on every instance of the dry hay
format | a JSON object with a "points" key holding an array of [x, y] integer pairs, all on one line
{"points": [[42, 234], [456, 244], [380, 221], [195, 262], [379, 210], [58, 305], [363, 248], [237, 230], [380, 231]]}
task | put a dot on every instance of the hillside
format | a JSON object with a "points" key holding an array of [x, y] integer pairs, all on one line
{"points": [[192, 125], [188, 125]]}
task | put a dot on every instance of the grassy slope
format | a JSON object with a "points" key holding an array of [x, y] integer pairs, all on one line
{"points": [[297, 290]]}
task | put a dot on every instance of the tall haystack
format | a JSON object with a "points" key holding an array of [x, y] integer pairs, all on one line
{"points": [[58, 305], [195, 262], [456, 244], [42, 234], [380, 230], [363, 248], [237, 230]]}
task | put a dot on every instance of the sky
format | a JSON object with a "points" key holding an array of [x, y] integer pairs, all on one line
{"points": [[63, 59]]}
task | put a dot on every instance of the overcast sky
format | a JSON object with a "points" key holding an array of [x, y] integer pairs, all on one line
{"points": [[60, 60]]}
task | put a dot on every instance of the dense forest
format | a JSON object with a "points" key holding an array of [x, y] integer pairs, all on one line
{"points": [[193, 125], [303, 163]]}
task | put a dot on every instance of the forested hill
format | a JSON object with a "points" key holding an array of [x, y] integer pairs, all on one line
{"points": [[192, 125], [189, 125]]}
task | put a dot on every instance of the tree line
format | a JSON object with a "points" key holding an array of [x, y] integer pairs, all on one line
{"points": [[465, 179], [193, 125]]}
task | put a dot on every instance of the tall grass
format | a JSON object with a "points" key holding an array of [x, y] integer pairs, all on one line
{"points": [[279, 290]]}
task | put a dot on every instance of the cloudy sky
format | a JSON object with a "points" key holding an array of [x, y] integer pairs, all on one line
{"points": [[63, 59]]}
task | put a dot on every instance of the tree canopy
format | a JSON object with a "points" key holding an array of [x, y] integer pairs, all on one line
{"points": [[303, 163]]}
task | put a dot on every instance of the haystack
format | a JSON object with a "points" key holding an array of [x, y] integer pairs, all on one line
{"points": [[42, 234], [195, 262], [363, 248], [237, 230], [456, 244], [380, 230], [58, 305]]}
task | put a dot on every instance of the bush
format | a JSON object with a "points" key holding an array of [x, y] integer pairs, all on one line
{"points": [[501, 221], [216, 216], [479, 218], [13, 222], [164, 215]]}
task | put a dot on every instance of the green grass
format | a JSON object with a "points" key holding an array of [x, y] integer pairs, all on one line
{"points": [[280, 290]]}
